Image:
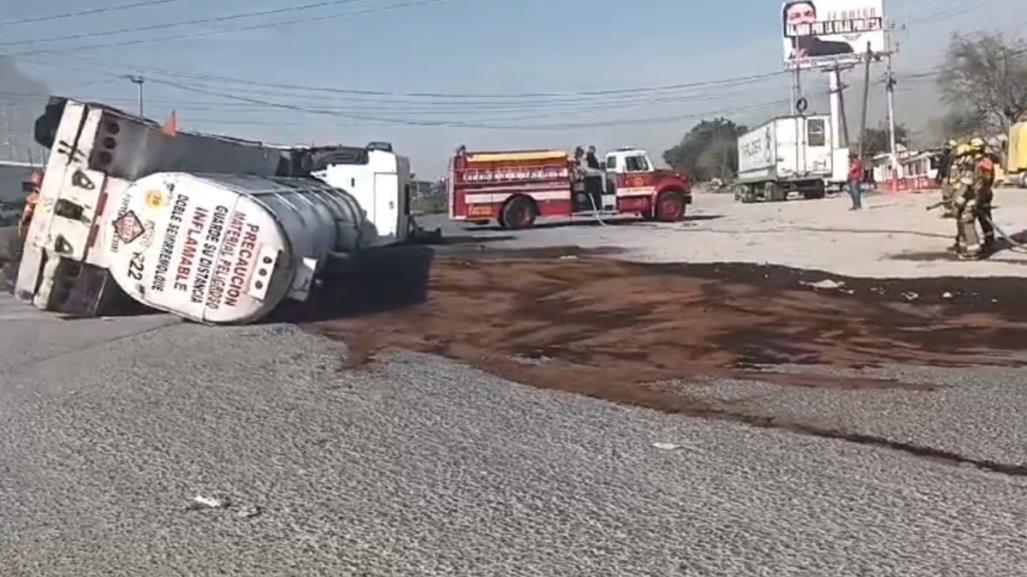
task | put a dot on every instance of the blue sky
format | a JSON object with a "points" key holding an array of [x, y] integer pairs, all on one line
{"points": [[463, 47]]}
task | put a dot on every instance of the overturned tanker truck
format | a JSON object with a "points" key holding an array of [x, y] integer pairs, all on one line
{"points": [[213, 229]]}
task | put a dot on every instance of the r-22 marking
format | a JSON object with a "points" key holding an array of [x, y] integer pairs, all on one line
{"points": [[136, 266]]}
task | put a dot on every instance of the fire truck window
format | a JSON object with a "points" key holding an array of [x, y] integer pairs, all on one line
{"points": [[636, 164], [817, 132], [611, 163]]}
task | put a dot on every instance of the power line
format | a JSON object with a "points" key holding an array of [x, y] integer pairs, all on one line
{"points": [[88, 12], [458, 124], [484, 110], [458, 97], [235, 29], [467, 109], [166, 25]]}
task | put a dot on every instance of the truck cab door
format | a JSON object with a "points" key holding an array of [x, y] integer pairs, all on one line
{"points": [[818, 154], [611, 173]]}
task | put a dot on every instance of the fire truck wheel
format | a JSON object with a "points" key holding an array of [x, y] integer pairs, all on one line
{"points": [[670, 207], [518, 213]]}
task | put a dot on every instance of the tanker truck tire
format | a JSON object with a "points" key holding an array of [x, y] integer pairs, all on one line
{"points": [[518, 213], [670, 206]]}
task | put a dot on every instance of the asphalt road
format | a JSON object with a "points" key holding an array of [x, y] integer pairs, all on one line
{"points": [[415, 465]]}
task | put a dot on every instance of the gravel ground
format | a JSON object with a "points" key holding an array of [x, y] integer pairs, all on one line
{"points": [[418, 466], [892, 237]]}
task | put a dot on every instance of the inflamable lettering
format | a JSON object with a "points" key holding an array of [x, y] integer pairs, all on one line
{"points": [[190, 249]]}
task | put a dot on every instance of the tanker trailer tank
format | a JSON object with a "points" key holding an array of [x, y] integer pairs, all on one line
{"points": [[228, 249]]}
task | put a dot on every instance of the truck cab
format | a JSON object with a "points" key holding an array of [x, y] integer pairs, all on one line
{"points": [[631, 177], [628, 161], [375, 176]]}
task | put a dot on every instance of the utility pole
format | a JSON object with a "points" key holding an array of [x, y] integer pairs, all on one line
{"points": [[866, 102], [839, 122], [139, 80], [892, 50], [891, 112], [5, 131]]}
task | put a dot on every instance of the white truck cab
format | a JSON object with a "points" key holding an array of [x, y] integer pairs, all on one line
{"points": [[628, 160], [376, 177]]}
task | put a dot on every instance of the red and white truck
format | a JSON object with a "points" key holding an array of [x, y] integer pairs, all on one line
{"points": [[514, 188]]}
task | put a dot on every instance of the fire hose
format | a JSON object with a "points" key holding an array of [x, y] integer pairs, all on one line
{"points": [[595, 210], [998, 230], [1006, 237]]}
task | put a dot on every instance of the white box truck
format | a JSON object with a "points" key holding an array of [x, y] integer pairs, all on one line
{"points": [[789, 154]]}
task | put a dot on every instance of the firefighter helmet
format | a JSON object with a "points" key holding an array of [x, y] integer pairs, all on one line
{"points": [[977, 145]]}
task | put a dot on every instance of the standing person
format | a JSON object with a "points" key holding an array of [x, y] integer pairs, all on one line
{"points": [[975, 205], [947, 175], [590, 158], [856, 171], [14, 245]]}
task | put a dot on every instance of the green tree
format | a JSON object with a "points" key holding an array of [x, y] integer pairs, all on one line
{"points": [[709, 150], [984, 82], [878, 139]]}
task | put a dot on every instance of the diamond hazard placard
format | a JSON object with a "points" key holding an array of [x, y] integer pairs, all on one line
{"points": [[128, 227]]}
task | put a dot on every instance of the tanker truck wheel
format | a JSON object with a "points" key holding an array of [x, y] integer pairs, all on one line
{"points": [[670, 207], [518, 213]]}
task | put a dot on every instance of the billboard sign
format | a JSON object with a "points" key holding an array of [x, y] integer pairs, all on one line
{"points": [[827, 32]]}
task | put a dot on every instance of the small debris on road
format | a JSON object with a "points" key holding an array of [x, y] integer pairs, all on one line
{"points": [[201, 502], [666, 446], [534, 358], [249, 512], [827, 284], [568, 257], [947, 295], [910, 296]]}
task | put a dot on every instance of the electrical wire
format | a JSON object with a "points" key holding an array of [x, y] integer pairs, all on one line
{"points": [[493, 109], [87, 12], [460, 124], [218, 31], [166, 25], [459, 98]]}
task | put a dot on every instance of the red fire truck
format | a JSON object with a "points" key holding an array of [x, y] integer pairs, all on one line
{"points": [[515, 187]]}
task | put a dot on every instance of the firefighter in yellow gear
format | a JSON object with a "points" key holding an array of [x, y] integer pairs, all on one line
{"points": [[948, 174], [973, 204]]}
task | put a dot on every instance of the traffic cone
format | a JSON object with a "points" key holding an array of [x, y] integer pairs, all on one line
{"points": [[170, 128]]}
